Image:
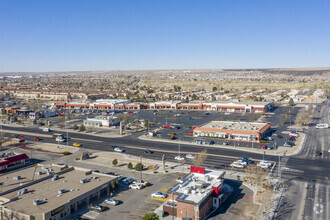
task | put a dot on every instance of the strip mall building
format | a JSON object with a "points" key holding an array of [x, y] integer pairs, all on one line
{"points": [[240, 131], [122, 104]]}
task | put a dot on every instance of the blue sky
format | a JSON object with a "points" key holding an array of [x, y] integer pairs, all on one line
{"points": [[162, 34]]}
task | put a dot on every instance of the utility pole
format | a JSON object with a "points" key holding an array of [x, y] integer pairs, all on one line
{"points": [[141, 167], [279, 167]]}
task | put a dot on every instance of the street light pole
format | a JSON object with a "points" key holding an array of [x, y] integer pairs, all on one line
{"points": [[179, 152]]}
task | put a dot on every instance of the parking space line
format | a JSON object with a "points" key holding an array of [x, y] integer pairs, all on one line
{"points": [[136, 214], [141, 210], [164, 190]]}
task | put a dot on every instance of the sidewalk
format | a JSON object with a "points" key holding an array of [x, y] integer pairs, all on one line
{"points": [[288, 151]]}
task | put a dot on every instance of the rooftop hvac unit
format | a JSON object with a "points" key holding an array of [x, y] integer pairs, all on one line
{"points": [[21, 192], [61, 190], [187, 190], [37, 202], [193, 191], [17, 178]]}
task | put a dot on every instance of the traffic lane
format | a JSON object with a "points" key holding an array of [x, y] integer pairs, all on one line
{"points": [[106, 142]]}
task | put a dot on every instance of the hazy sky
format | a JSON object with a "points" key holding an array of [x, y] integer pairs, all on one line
{"points": [[64, 35]]}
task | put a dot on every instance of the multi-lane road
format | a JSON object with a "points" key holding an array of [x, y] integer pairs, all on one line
{"points": [[305, 173], [308, 175]]}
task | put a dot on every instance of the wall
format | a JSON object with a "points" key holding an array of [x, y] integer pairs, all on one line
{"points": [[183, 208]]}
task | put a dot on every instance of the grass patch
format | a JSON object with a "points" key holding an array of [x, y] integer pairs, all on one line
{"points": [[172, 133], [155, 122], [77, 158], [264, 142], [66, 153], [155, 172], [187, 127], [281, 124]]}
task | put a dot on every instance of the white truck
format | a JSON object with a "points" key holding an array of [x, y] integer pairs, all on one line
{"points": [[46, 129], [322, 126]]}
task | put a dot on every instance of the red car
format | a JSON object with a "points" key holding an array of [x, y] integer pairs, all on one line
{"points": [[60, 115], [37, 138], [172, 138], [130, 112], [166, 126], [189, 132], [264, 146], [293, 137]]}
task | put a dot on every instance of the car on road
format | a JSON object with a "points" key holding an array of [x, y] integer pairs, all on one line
{"points": [[128, 181], [96, 171], [166, 126], [177, 127], [226, 143], [270, 147], [279, 136], [189, 132], [110, 173], [76, 144], [111, 201], [147, 151], [37, 138], [98, 208], [264, 162], [114, 146], [118, 149], [159, 195], [60, 139], [264, 146], [135, 186], [329, 150], [61, 115], [190, 156], [179, 158], [247, 160], [171, 137], [237, 164], [318, 153]]}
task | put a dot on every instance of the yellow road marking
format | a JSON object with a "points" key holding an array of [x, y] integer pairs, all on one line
{"points": [[164, 190], [244, 203], [144, 190]]}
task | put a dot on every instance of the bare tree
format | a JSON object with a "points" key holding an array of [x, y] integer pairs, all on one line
{"points": [[200, 158]]}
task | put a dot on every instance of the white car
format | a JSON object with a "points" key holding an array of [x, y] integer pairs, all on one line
{"points": [[263, 165], [60, 139], [179, 180], [179, 158], [329, 150], [135, 186], [244, 163], [265, 162], [237, 165], [118, 149], [111, 201], [159, 195], [293, 134], [190, 156]]}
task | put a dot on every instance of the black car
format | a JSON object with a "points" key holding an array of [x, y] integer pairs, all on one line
{"points": [[318, 153], [279, 136], [226, 143], [177, 127], [110, 173], [113, 146], [147, 151]]}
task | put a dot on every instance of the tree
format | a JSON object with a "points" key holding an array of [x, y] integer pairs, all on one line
{"points": [[75, 127], [115, 162], [129, 165], [214, 89], [146, 124], [139, 167], [82, 127], [200, 158], [150, 216], [291, 102]]}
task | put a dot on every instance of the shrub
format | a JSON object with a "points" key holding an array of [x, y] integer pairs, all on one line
{"points": [[129, 165], [172, 167], [172, 133], [150, 216], [139, 167], [75, 127], [155, 172], [66, 153], [166, 171], [77, 158], [187, 127], [82, 128], [115, 162]]}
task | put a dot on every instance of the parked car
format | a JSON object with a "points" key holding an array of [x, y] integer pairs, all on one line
{"points": [[179, 158], [118, 149], [147, 151], [76, 144], [128, 181], [177, 127], [190, 156], [226, 143], [61, 115], [159, 195], [60, 139], [98, 208], [189, 132], [279, 136], [179, 180], [142, 183], [264, 146], [247, 160], [171, 137], [287, 144], [211, 143], [111, 201], [37, 138], [110, 173], [166, 126], [135, 186], [270, 147]]}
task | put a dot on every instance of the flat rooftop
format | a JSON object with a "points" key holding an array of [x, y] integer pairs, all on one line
{"points": [[196, 186], [8, 182], [47, 191], [240, 126]]}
